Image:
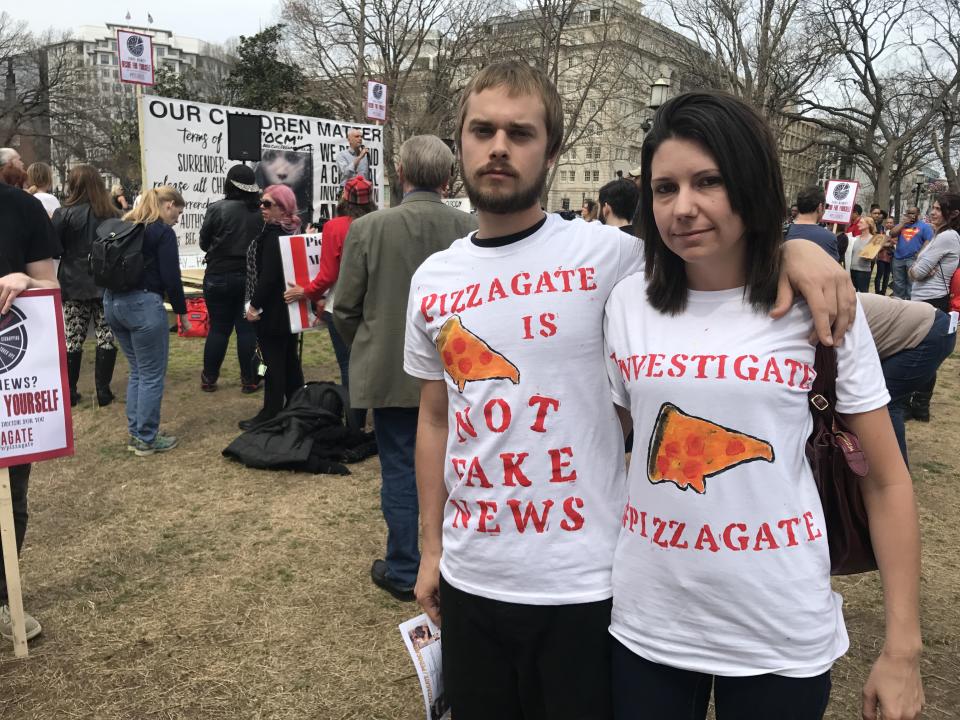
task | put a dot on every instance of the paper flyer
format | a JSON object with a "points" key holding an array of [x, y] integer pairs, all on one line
{"points": [[422, 639]]}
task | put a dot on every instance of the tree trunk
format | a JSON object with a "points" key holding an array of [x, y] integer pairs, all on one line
{"points": [[396, 191], [881, 193]]}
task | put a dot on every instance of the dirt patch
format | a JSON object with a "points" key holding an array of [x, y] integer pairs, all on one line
{"points": [[186, 586]]}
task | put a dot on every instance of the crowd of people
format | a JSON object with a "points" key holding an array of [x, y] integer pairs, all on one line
{"points": [[505, 357]]}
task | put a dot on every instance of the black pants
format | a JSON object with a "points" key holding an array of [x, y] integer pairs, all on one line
{"points": [[942, 304], [224, 293], [284, 375], [882, 278], [525, 662], [643, 690], [19, 479]]}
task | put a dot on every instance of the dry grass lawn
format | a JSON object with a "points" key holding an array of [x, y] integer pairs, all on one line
{"points": [[186, 586]]}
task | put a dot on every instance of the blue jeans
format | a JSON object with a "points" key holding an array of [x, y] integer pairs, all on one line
{"points": [[139, 323], [910, 371], [342, 352], [396, 430], [901, 278], [644, 689], [224, 294]]}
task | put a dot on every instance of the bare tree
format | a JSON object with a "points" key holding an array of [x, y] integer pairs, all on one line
{"points": [[878, 61], [603, 58], [412, 46], [762, 51], [45, 83], [945, 36]]}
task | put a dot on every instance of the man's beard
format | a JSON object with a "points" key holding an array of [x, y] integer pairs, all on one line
{"points": [[504, 204]]}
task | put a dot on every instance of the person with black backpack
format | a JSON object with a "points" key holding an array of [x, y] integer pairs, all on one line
{"points": [[87, 205], [135, 310]]}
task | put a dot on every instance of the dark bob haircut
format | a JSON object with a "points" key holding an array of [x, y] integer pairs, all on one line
{"points": [[743, 147]]}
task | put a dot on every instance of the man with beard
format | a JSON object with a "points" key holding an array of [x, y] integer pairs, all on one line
{"points": [[380, 253], [520, 466]]}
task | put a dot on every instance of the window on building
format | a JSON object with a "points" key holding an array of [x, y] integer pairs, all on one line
{"points": [[161, 51], [596, 175], [565, 203], [594, 16], [105, 87], [104, 59], [105, 72]]}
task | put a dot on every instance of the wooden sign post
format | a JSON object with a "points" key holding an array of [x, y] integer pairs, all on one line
{"points": [[35, 420]]}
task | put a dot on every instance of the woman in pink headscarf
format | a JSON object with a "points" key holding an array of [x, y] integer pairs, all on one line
{"points": [[267, 309]]}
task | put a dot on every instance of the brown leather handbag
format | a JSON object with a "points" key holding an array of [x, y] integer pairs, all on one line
{"points": [[838, 464]]}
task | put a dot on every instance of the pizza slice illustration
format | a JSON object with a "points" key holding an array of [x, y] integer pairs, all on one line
{"points": [[468, 358], [685, 450]]}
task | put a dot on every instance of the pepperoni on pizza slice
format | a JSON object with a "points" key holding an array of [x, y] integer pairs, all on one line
{"points": [[686, 450], [468, 358]]}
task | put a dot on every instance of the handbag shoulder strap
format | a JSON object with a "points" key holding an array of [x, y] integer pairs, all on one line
{"points": [[823, 393]]}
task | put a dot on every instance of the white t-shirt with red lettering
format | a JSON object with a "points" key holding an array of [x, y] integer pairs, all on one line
{"points": [[534, 463], [722, 565]]}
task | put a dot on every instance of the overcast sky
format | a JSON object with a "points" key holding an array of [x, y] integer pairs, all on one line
{"points": [[211, 20]]}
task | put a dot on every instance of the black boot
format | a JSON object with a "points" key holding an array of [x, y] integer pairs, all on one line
{"points": [[73, 375], [103, 374], [920, 406]]}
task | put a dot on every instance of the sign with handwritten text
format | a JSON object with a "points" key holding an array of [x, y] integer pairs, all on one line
{"points": [[35, 420], [185, 145]]}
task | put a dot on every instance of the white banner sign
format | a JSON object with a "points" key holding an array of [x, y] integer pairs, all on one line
{"points": [[185, 145], [300, 255], [35, 420], [841, 196], [136, 57], [376, 101]]}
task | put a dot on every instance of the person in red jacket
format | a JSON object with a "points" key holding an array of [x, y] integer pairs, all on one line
{"points": [[357, 201]]}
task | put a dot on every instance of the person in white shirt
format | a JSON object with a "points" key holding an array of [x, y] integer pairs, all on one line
{"points": [[721, 575], [519, 455], [39, 183]]}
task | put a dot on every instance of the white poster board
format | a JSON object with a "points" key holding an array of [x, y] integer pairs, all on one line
{"points": [[185, 145], [376, 101], [35, 419], [459, 204], [422, 640], [300, 255], [135, 53], [841, 196]]}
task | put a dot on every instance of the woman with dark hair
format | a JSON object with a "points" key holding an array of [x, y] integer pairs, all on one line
{"points": [[229, 227], [266, 306], [357, 201], [721, 576], [86, 206], [931, 273]]}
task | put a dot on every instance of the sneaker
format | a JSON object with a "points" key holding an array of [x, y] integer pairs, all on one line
{"points": [[6, 624], [131, 444], [206, 384], [160, 444]]}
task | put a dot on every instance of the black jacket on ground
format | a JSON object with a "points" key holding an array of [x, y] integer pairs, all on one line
{"points": [[304, 436], [228, 228]]}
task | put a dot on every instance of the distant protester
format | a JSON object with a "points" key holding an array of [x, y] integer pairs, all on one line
{"points": [[810, 209], [11, 168], [139, 320], [86, 206], [267, 308], [229, 227], [356, 202], [39, 184], [119, 198]]}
